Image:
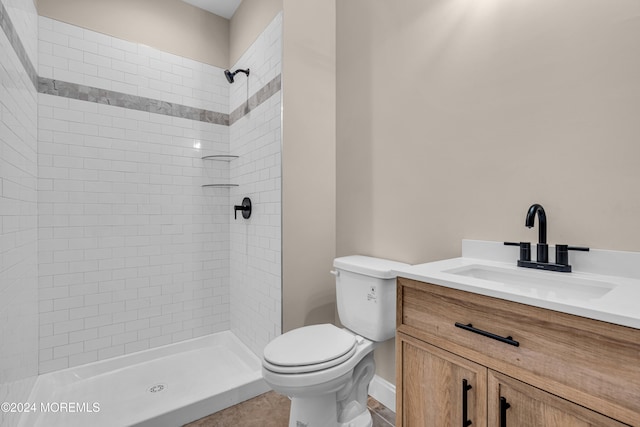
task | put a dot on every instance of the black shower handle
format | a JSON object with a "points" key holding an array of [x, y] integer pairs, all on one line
{"points": [[245, 207]]}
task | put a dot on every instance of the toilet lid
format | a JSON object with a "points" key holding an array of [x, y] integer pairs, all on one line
{"points": [[311, 345]]}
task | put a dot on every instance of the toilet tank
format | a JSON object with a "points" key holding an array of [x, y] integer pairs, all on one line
{"points": [[366, 295]]}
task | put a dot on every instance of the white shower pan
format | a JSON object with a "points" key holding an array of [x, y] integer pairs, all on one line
{"points": [[167, 386]]}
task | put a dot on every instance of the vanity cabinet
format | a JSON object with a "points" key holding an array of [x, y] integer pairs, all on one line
{"points": [[526, 366]]}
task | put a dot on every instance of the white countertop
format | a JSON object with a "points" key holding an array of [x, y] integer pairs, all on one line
{"points": [[618, 299]]}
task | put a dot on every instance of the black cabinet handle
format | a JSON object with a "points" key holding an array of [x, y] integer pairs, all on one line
{"points": [[465, 387], [507, 340], [504, 405]]}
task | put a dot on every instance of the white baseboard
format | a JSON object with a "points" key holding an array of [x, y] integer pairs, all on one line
{"points": [[383, 391]]}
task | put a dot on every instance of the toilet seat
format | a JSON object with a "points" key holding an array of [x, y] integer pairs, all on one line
{"points": [[309, 349]]}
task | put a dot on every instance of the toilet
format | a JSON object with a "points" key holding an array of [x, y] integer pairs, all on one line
{"points": [[326, 370]]}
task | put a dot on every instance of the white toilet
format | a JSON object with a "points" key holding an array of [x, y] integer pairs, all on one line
{"points": [[326, 370]]}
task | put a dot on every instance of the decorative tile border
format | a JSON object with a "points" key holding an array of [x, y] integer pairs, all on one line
{"points": [[133, 102], [266, 92], [16, 43]]}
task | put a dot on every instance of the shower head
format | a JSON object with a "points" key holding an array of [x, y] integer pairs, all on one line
{"points": [[231, 75], [228, 75]]}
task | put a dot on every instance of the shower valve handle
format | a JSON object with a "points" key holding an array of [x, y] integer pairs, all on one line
{"points": [[245, 207]]}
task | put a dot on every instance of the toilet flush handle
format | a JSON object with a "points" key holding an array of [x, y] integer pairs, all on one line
{"points": [[335, 273]]}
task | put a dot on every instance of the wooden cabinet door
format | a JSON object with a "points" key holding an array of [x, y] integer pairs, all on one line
{"points": [[531, 407], [430, 384]]}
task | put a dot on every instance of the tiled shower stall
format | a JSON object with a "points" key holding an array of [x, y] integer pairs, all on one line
{"points": [[110, 242]]}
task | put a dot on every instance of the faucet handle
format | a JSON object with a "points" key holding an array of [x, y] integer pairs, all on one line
{"points": [[578, 248], [525, 249], [562, 253]]}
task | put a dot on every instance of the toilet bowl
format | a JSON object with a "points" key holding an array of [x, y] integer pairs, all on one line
{"points": [[326, 373], [326, 370]]}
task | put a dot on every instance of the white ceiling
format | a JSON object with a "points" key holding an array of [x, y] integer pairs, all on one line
{"points": [[224, 8]]}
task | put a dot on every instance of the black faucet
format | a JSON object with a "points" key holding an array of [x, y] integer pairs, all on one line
{"points": [[543, 247], [542, 263]]}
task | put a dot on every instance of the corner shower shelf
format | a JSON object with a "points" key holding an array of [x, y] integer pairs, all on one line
{"points": [[220, 185], [222, 157]]}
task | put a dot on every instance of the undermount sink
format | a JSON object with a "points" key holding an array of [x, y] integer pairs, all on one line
{"points": [[538, 284]]}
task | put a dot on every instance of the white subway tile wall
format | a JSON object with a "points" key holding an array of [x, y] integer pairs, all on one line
{"points": [[134, 253], [18, 213], [82, 56], [256, 291]]}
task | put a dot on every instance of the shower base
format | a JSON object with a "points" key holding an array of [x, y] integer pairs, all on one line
{"points": [[166, 386]]}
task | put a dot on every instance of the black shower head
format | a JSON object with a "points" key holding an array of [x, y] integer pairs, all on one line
{"points": [[230, 76]]}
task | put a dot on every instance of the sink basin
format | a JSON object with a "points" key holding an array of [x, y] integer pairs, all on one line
{"points": [[547, 285]]}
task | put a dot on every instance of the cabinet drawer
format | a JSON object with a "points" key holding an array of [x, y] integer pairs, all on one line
{"points": [[592, 363]]}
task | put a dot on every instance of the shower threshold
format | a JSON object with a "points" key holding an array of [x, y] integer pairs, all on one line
{"points": [[166, 386]]}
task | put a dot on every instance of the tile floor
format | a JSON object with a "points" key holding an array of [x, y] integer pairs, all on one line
{"points": [[272, 410]]}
